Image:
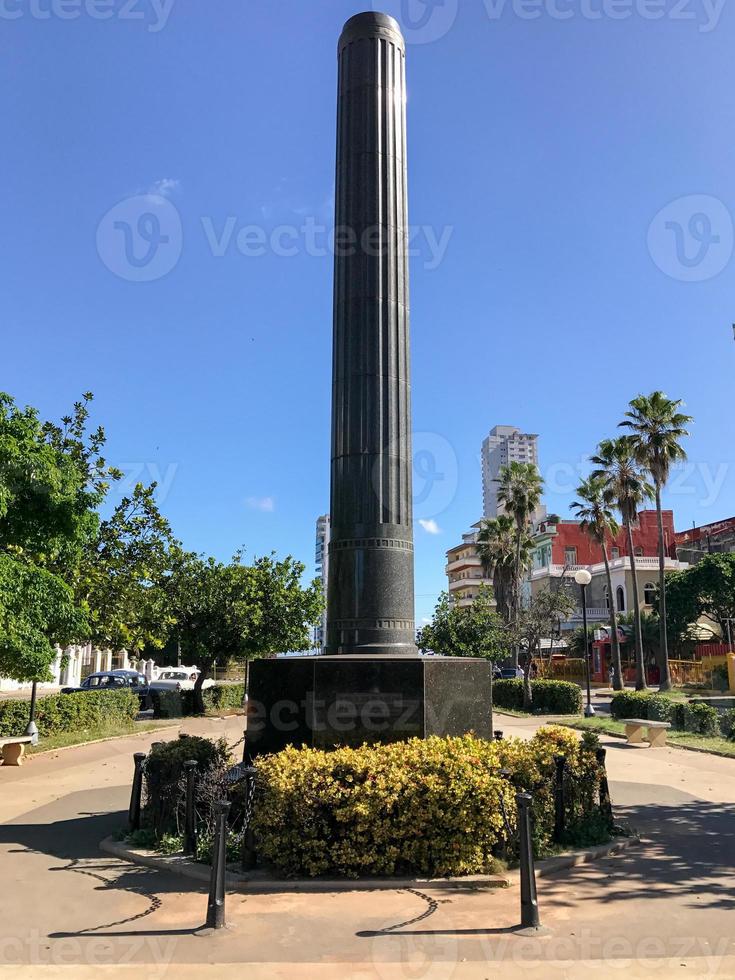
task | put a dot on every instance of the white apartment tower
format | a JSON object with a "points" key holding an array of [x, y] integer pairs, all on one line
{"points": [[505, 444], [323, 526]]}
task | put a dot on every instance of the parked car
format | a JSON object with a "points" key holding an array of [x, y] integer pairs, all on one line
{"points": [[510, 673], [178, 679], [114, 680]]}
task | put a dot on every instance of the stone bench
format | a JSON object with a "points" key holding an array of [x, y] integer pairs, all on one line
{"points": [[634, 731], [12, 749]]}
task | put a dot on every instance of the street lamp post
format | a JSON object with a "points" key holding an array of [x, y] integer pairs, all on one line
{"points": [[583, 579]]}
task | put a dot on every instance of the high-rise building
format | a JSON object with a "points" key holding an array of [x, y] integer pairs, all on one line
{"points": [[506, 444], [321, 559]]}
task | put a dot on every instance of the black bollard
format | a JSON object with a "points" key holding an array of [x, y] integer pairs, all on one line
{"points": [[216, 903], [605, 800], [190, 823], [529, 900], [136, 794], [559, 800], [498, 736]]}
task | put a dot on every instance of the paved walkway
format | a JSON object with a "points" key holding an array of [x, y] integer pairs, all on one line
{"points": [[663, 907]]}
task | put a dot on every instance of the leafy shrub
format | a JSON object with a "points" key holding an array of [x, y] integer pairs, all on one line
{"points": [[165, 780], [639, 704], [77, 712], [431, 807], [551, 697], [700, 719], [180, 704], [727, 723]]}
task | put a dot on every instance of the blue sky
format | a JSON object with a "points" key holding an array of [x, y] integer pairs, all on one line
{"points": [[546, 138]]}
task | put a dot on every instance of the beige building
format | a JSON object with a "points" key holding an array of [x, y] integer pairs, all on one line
{"points": [[464, 570]]}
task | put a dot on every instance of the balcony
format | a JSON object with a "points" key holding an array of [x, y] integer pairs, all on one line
{"points": [[471, 561], [616, 564]]}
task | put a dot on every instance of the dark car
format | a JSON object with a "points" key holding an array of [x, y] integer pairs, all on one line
{"points": [[111, 680], [508, 673]]}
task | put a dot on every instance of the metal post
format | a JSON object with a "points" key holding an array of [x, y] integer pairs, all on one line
{"points": [[589, 711], [605, 800], [190, 824], [529, 900], [249, 857], [216, 903], [559, 800], [136, 792], [31, 727]]}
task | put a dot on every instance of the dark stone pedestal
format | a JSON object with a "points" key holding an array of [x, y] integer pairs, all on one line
{"points": [[324, 702]]}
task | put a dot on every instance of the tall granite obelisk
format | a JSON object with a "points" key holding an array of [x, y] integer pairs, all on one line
{"points": [[372, 686], [371, 598]]}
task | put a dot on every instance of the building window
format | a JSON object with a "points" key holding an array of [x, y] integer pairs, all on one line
{"points": [[607, 598], [621, 599], [639, 552], [649, 593], [570, 556], [615, 552]]}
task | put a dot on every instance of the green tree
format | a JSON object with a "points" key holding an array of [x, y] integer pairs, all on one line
{"points": [[627, 489], [535, 623], [124, 577], [52, 480], [657, 428], [497, 545], [519, 493], [705, 589], [598, 522], [232, 611]]}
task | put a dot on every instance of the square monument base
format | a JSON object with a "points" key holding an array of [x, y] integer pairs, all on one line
{"points": [[325, 702]]}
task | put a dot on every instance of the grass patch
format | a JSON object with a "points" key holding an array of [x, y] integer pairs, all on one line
{"points": [[64, 739], [706, 743]]}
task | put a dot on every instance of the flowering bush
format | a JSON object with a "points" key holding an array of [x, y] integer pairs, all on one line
{"points": [[430, 807]]}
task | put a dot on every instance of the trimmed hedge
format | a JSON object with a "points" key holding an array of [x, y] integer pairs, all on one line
{"points": [[727, 723], [423, 807], [70, 712], [699, 719], [638, 704], [551, 697], [180, 704]]}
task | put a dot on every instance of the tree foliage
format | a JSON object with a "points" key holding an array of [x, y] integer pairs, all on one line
{"points": [[475, 630], [223, 612], [705, 589]]}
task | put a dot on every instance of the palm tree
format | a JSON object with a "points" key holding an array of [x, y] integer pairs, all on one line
{"points": [[626, 488], [598, 521], [519, 494], [497, 545], [657, 427]]}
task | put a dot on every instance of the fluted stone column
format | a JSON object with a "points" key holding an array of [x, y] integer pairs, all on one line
{"points": [[371, 593]]}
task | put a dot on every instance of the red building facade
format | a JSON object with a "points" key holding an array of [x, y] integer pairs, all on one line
{"points": [[570, 545]]}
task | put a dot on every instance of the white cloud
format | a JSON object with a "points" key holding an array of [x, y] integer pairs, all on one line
{"points": [[265, 504], [431, 527], [164, 187]]}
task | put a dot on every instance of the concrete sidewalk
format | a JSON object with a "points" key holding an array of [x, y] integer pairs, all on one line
{"points": [[662, 907]]}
